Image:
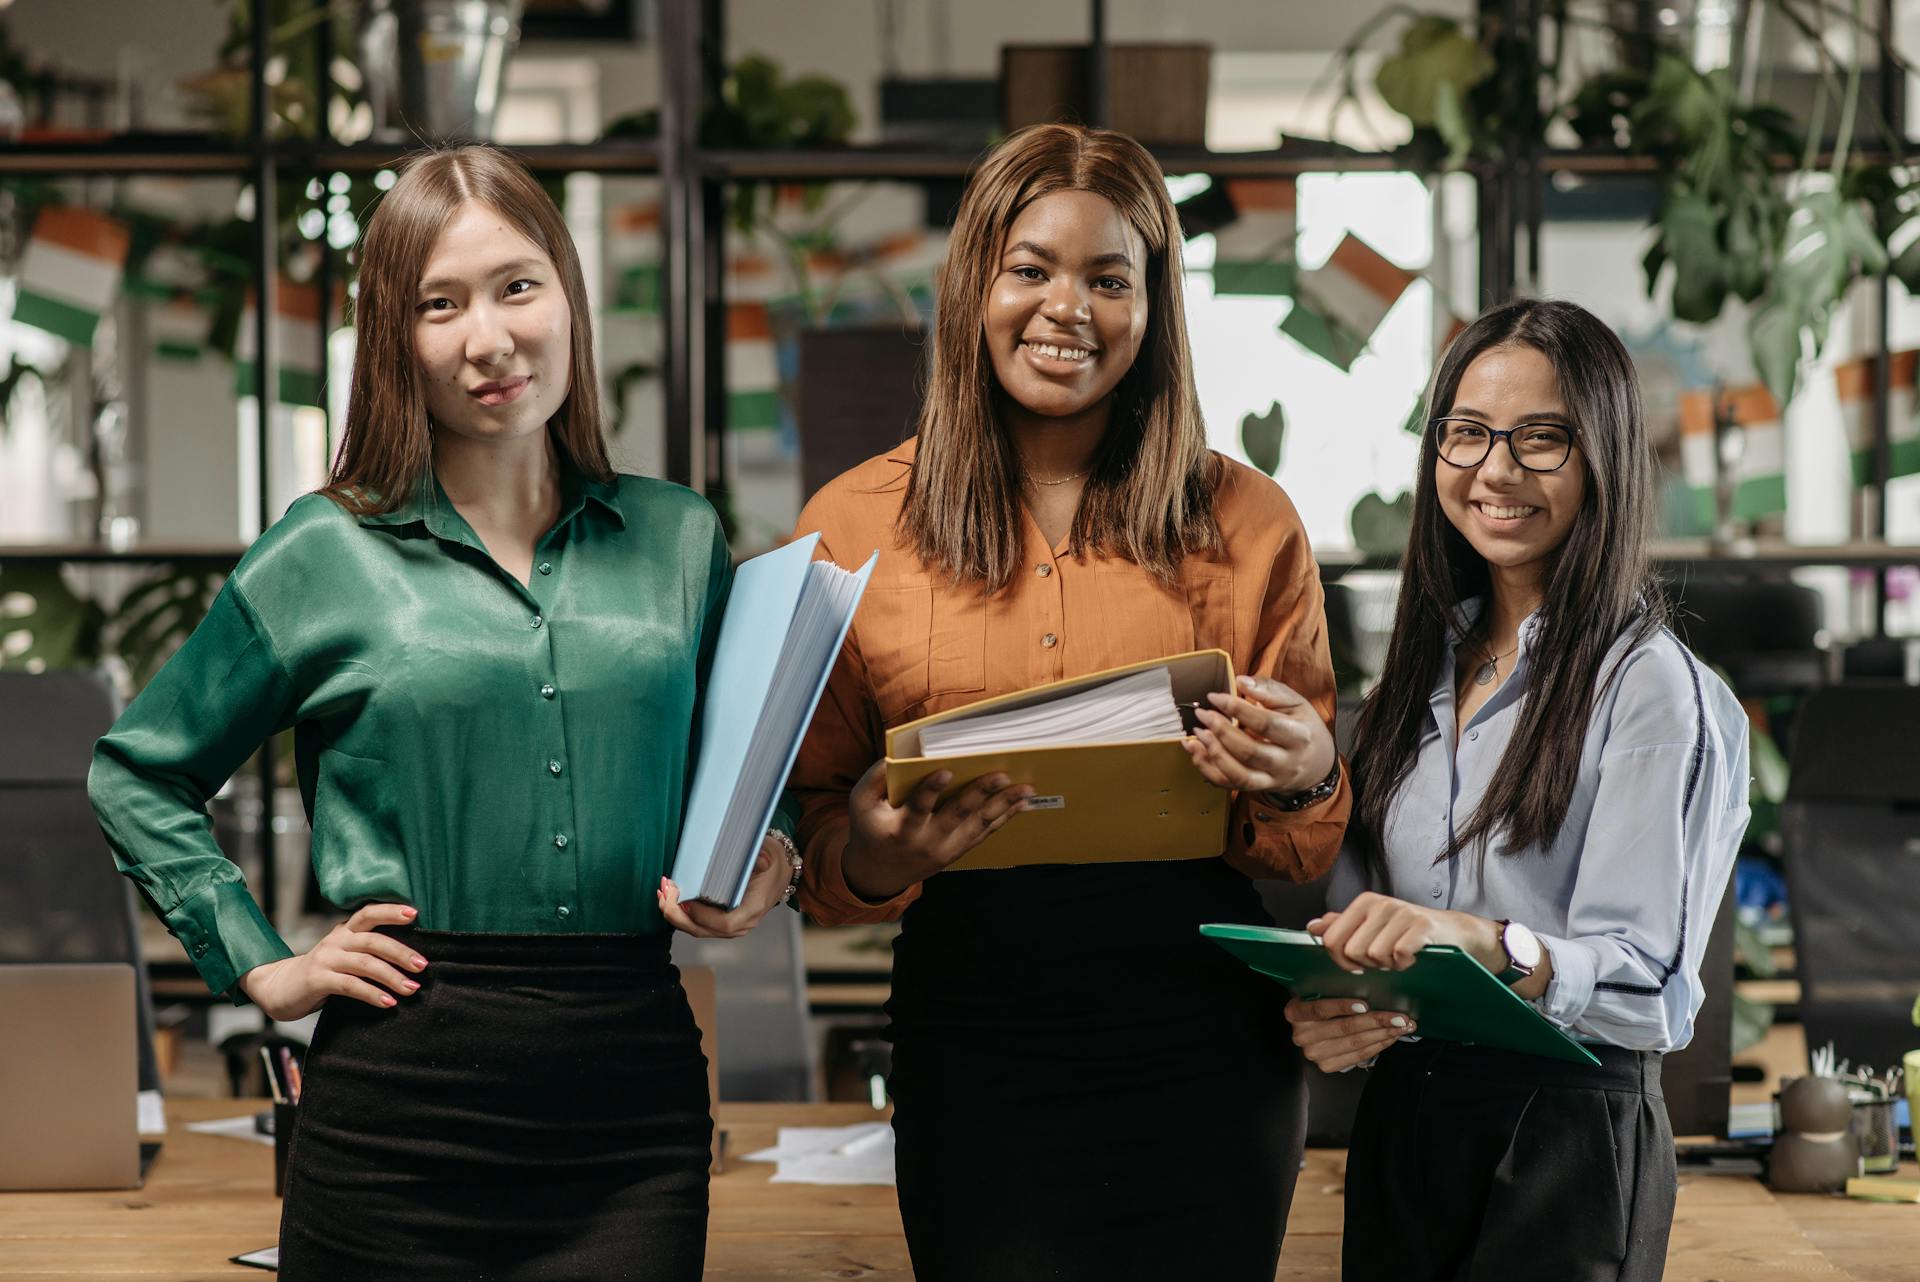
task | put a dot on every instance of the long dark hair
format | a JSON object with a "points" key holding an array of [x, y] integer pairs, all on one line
{"points": [[388, 447], [1599, 587], [1149, 495]]}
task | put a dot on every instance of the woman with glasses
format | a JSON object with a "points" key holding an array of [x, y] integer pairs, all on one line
{"points": [[1547, 779]]}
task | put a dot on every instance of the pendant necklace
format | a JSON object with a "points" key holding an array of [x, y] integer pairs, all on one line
{"points": [[1062, 481], [1491, 668]]}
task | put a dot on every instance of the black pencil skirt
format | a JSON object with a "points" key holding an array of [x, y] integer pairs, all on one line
{"points": [[1469, 1163], [1084, 1088], [538, 1110]]}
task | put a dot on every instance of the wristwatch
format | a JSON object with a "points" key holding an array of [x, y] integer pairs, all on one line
{"points": [[1523, 949]]}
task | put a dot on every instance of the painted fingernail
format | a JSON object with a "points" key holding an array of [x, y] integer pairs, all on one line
{"points": [[410, 985], [1398, 1022], [1217, 698], [1359, 1008], [410, 913], [388, 999], [1355, 970], [1248, 682], [419, 963]]}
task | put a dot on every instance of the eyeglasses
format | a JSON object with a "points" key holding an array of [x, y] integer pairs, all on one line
{"points": [[1538, 447]]}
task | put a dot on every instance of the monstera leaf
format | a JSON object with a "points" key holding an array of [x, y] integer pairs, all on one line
{"points": [[155, 617], [1380, 528], [43, 623], [1261, 436]]}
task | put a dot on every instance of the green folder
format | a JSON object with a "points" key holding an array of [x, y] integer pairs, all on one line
{"points": [[1446, 991]]}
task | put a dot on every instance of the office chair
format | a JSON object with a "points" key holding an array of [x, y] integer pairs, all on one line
{"points": [[1762, 634], [61, 899], [1850, 843]]}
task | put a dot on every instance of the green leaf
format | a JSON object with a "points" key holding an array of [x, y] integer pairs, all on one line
{"points": [[1751, 1020], [1774, 335], [1906, 267], [63, 628], [1436, 56], [1261, 436], [157, 615], [1380, 528], [1690, 233], [1751, 951], [1769, 767]]}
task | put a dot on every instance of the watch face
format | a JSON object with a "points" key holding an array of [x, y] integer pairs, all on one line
{"points": [[1522, 945]]}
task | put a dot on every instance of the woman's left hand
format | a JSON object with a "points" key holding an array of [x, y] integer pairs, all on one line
{"points": [[766, 888], [1265, 738], [1379, 932]]}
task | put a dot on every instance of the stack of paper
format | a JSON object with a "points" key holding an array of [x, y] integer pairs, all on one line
{"points": [[861, 1154], [785, 620], [1134, 707]]}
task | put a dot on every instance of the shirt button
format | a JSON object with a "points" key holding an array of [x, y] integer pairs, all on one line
{"points": [[1049, 641], [553, 766], [200, 950], [546, 567], [1043, 570], [560, 842], [546, 692], [1435, 892], [563, 911], [537, 621], [1473, 736]]}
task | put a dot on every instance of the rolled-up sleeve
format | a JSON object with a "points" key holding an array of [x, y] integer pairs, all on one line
{"points": [[1290, 645], [1666, 823], [220, 696]]}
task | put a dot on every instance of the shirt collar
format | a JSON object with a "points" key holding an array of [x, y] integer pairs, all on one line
{"points": [[429, 505]]}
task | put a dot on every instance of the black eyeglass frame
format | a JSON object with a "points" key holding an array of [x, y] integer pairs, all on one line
{"points": [[1494, 436]]}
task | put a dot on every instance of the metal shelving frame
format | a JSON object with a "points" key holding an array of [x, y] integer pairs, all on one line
{"points": [[694, 182]]}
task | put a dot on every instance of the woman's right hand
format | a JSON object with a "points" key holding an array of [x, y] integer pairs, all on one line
{"points": [[353, 960], [889, 848], [1337, 1033]]}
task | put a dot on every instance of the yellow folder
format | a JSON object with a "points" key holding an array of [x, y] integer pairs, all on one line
{"points": [[1097, 802]]}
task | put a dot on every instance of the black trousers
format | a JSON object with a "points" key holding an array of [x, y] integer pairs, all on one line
{"points": [[537, 1111], [1469, 1163], [1084, 1088]]}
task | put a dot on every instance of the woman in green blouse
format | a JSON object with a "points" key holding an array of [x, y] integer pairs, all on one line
{"points": [[491, 648]]}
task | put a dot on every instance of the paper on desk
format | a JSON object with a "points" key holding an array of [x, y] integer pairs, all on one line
{"points": [[238, 1128], [860, 1154], [153, 1113]]}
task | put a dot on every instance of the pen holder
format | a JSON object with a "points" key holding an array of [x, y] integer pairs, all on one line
{"points": [[1878, 1133], [286, 1117]]}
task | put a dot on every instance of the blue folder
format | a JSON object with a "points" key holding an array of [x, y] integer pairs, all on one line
{"points": [[759, 699]]}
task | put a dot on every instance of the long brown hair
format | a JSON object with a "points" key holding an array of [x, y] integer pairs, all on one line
{"points": [[388, 444], [1149, 493], [1600, 587]]}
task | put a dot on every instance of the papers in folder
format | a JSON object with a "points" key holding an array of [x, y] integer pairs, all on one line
{"points": [[1103, 752], [785, 620], [1140, 706]]}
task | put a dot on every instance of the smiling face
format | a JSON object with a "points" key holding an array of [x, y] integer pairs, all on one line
{"points": [[491, 331], [1067, 310], [1514, 518]]}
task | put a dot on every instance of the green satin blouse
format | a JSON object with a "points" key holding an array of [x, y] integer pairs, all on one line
{"points": [[506, 757]]}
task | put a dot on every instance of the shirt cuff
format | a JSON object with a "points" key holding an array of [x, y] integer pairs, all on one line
{"points": [[226, 935], [1570, 988], [824, 892]]}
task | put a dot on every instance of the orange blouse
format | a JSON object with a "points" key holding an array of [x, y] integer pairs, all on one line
{"points": [[920, 645]]}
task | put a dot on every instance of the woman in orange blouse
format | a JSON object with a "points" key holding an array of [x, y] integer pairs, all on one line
{"points": [[1083, 1087]]}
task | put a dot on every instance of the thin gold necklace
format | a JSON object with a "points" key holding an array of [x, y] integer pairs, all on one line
{"points": [[1029, 476]]}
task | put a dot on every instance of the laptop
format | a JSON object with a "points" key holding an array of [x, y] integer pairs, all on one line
{"points": [[69, 1078]]}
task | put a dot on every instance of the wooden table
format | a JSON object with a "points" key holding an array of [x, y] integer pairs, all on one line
{"points": [[209, 1198]]}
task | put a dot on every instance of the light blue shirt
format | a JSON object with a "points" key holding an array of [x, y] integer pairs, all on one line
{"points": [[1623, 899]]}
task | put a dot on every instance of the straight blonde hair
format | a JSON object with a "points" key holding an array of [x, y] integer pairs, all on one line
{"points": [[1149, 494], [387, 447]]}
